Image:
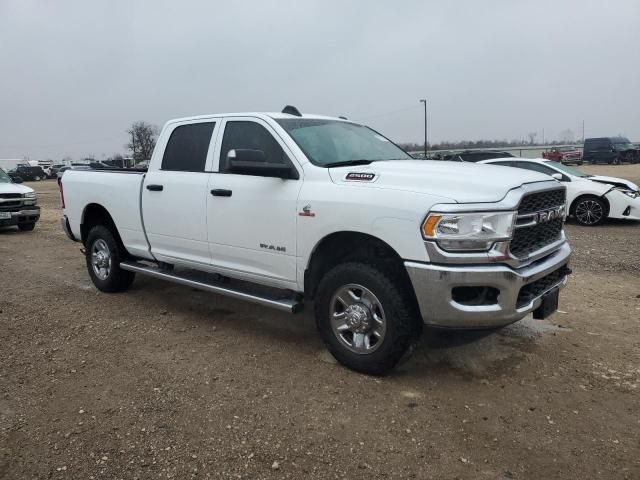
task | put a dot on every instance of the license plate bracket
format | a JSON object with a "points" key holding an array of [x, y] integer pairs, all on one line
{"points": [[548, 306]]}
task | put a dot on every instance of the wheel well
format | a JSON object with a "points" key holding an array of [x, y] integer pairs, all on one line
{"points": [[343, 247], [95, 214], [572, 209]]}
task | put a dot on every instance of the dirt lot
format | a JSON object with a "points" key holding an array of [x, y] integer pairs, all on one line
{"points": [[167, 382]]}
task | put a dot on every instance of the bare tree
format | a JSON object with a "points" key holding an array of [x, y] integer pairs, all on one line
{"points": [[143, 140], [532, 137], [567, 136]]}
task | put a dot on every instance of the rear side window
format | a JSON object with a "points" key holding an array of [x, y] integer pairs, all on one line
{"points": [[187, 148], [504, 164], [536, 167], [252, 136]]}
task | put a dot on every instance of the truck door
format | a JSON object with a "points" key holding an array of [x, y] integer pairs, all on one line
{"points": [[252, 218], [174, 194]]}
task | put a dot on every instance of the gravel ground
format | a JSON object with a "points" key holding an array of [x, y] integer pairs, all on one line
{"points": [[167, 382]]}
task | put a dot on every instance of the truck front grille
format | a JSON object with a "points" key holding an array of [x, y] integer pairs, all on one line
{"points": [[528, 238], [533, 290], [10, 195], [534, 202]]}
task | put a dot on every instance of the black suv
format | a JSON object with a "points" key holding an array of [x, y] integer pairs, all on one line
{"points": [[28, 173], [610, 150]]}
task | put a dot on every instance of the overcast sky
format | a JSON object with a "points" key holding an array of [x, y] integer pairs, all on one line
{"points": [[75, 74]]}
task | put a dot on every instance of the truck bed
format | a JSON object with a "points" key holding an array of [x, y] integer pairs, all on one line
{"points": [[118, 191]]}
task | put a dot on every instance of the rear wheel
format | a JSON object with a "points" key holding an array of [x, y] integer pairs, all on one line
{"points": [[103, 257], [617, 161], [589, 211], [367, 317]]}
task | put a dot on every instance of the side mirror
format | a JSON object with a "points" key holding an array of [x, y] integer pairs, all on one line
{"points": [[557, 176], [17, 180], [254, 162]]}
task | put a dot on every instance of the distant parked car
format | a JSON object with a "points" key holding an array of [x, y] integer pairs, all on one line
{"points": [[74, 167], [590, 198], [477, 155], [612, 150], [17, 204], [566, 155], [28, 173]]}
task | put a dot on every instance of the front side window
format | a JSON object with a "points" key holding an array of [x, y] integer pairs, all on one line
{"points": [[327, 142], [245, 135], [569, 170], [186, 150]]}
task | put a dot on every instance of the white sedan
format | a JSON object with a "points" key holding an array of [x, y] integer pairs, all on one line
{"points": [[590, 198]]}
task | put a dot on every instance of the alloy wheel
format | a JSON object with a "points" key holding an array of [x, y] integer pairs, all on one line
{"points": [[357, 318]]}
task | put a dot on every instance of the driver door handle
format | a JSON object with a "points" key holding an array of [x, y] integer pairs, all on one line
{"points": [[221, 192], [155, 188]]}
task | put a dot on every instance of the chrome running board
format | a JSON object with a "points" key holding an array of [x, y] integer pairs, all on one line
{"points": [[289, 305]]}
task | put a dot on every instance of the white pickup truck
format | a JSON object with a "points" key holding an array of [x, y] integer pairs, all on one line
{"points": [[283, 208]]}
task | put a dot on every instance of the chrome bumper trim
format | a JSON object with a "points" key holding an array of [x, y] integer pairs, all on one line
{"points": [[499, 253], [433, 285]]}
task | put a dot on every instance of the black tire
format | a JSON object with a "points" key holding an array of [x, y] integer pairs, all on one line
{"points": [[26, 227], [115, 279], [589, 210], [617, 160], [403, 325]]}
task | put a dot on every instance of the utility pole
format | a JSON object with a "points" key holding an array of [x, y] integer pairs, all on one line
{"points": [[543, 136], [583, 131], [425, 126]]}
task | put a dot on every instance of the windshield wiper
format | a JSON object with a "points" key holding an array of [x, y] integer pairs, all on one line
{"points": [[347, 163]]}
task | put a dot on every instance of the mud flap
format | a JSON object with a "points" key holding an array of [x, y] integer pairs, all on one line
{"points": [[548, 306]]}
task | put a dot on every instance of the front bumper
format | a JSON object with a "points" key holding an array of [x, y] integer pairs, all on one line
{"points": [[29, 214], [434, 284], [622, 206]]}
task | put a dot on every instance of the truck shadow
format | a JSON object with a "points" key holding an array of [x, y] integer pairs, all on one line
{"points": [[473, 353]]}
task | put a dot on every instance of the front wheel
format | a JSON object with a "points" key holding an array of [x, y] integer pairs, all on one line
{"points": [[589, 211], [103, 256], [367, 317]]}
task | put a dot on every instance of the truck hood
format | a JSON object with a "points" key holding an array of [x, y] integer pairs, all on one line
{"points": [[614, 181], [459, 181], [14, 188]]}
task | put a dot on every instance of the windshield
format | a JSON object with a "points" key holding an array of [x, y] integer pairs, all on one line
{"points": [[623, 143], [327, 142], [566, 169], [4, 178], [566, 149]]}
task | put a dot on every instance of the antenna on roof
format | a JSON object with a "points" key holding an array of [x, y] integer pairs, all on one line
{"points": [[343, 118], [291, 110]]}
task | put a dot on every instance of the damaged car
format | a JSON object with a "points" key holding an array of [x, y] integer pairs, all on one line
{"points": [[590, 198]]}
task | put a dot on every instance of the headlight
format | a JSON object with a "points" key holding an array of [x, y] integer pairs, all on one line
{"points": [[468, 231], [29, 198]]}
